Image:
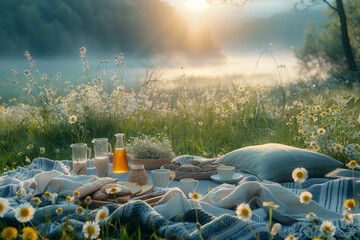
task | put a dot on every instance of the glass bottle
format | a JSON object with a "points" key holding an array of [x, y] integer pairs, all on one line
{"points": [[120, 160]]}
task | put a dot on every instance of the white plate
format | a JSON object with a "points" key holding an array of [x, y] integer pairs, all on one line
{"points": [[235, 179]]}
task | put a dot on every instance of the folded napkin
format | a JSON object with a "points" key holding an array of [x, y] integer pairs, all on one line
{"points": [[57, 182]]}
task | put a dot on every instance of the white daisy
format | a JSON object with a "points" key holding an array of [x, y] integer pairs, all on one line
{"points": [[42, 150], [305, 197], [24, 212], [243, 211], [4, 206], [328, 229], [72, 119], [299, 174], [59, 211], [321, 131], [348, 217], [353, 164], [79, 210], [275, 229], [270, 205], [102, 214], [291, 237], [113, 190], [91, 230], [311, 215], [36, 201], [47, 196]]}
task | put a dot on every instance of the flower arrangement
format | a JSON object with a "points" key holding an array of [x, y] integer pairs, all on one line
{"points": [[147, 147]]}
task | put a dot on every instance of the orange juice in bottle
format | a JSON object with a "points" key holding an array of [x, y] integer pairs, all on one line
{"points": [[120, 161]]}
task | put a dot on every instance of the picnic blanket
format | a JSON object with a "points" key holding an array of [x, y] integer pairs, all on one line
{"points": [[216, 210]]}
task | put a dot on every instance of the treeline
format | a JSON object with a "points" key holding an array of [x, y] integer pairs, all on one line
{"points": [[136, 27]]}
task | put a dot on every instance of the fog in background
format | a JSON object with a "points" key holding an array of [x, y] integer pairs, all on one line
{"points": [[151, 33]]}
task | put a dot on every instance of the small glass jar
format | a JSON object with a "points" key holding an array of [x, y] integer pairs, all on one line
{"points": [[138, 174]]}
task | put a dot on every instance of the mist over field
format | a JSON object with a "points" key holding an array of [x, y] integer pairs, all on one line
{"points": [[178, 42]]}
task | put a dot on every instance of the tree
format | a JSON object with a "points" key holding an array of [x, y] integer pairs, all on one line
{"points": [[338, 8]]}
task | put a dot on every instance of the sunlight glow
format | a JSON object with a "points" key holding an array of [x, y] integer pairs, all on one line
{"points": [[197, 5]]}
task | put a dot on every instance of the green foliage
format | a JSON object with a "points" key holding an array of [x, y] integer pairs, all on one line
{"points": [[324, 51]]}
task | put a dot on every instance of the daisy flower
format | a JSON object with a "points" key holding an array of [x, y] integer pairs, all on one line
{"points": [[59, 211], [42, 150], [275, 229], [270, 205], [102, 214], [321, 131], [194, 196], [305, 197], [29, 233], [113, 190], [69, 199], [299, 174], [87, 200], [9, 233], [348, 217], [91, 230], [350, 204], [352, 164], [76, 194], [79, 210], [72, 119], [311, 215], [36, 201], [291, 237], [328, 229], [24, 212], [243, 211], [30, 146], [4, 206]]}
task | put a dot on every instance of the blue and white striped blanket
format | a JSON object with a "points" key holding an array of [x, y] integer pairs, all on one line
{"points": [[329, 192]]}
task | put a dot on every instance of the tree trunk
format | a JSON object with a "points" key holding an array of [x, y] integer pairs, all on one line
{"points": [[345, 37]]}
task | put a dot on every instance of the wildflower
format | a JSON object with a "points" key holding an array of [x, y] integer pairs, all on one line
{"points": [[54, 198], [194, 196], [328, 229], [24, 213], [47, 196], [348, 217], [4, 206], [299, 174], [102, 214], [318, 108], [21, 192], [79, 210], [275, 229], [72, 119], [314, 134], [91, 230], [76, 194], [270, 205], [316, 148], [201, 123], [243, 211], [27, 159], [313, 144], [44, 76], [356, 146], [29, 233], [69, 199], [352, 164], [42, 150], [59, 211], [113, 190], [36, 201], [311, 215], [88, 200], [305, 197], [291, 237], [350, 204], [9, 233], [58, 74], [321, 131], [27, 72], [30, 146]]}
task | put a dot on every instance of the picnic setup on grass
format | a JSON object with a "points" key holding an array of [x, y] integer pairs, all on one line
{"points": [[269, 191]]}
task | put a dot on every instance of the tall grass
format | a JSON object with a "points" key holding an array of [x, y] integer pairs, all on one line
{"points": [[200, 118]]}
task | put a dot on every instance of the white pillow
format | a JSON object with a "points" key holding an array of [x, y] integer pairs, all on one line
{"points": [[275, 162]]}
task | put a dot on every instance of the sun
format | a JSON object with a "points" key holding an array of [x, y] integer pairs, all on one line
{"points": [[197, 5]]}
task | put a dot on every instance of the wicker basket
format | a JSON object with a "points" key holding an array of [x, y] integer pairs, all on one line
{"points": [[150, 164]]}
